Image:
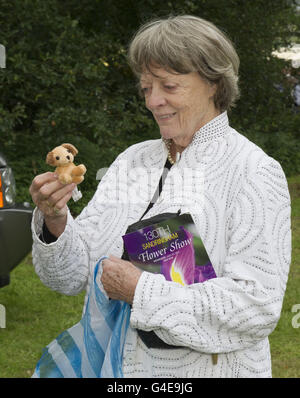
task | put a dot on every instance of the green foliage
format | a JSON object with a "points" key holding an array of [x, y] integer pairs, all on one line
{"points": [[67, 79]]}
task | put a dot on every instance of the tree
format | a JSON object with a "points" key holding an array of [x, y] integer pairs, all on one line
{"points": [[67, 76]]}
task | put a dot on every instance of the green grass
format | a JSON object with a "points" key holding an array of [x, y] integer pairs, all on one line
{"points": [[285, 340], [35, 315]]}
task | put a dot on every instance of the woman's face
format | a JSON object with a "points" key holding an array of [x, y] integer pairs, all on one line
{"points": [[180, 103]]}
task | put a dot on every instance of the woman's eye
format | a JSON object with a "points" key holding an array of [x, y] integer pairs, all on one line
{"points": [[144, 90], [170, 87]]}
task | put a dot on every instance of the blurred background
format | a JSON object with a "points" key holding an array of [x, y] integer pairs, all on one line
{"points": [[67, 80]]}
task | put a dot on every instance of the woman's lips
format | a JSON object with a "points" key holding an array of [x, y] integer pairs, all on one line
{"points": [[165, 117]]}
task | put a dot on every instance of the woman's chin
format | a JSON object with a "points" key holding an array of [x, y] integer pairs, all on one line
{"points": [[166, 134]]}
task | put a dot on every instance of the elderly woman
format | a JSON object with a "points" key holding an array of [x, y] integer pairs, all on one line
{"points": [[236, 194]]}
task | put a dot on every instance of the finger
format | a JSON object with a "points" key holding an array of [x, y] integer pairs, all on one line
{"points": [[113, 258], [42, 179], [62, 203], [49, 189], [118, 260], [58, 195], [106, 262]]}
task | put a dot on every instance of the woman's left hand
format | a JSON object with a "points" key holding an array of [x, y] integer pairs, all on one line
{"points": [[119, 278]]}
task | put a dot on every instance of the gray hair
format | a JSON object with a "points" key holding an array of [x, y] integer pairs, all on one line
{"points": [[185, 44]]}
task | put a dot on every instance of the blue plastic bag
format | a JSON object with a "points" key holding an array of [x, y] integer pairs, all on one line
{"points": [[93, 347]]}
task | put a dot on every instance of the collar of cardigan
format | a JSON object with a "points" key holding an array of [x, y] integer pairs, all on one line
{"points": [[216, 128]]}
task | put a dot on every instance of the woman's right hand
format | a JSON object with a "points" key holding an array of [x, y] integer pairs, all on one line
{"points": [[51, 197]]}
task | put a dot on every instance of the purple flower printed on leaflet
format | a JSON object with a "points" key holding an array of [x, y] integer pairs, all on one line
{"points": [[180, 266]]}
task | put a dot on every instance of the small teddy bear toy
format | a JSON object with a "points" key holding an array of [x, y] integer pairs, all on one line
{"points": [[62, 157]]}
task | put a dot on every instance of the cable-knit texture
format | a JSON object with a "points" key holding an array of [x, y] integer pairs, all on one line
{"points": [[238, 197]]}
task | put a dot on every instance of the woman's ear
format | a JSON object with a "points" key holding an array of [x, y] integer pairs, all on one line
{"points": [[213, 89]]}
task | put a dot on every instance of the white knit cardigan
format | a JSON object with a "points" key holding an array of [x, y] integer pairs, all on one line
{"points": [[238, 197]]}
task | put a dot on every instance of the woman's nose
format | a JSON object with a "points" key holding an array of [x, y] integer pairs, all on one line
{"points": [[155, 99]]}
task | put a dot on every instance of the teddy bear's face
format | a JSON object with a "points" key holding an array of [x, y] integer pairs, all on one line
{"points": [[60, 156]]}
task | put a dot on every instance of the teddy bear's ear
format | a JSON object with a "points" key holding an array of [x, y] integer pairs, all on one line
{"points": [[50, 159], [72, 148]]}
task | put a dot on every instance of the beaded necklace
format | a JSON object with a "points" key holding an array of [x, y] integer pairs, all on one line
{"points": [[168, 144]]}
